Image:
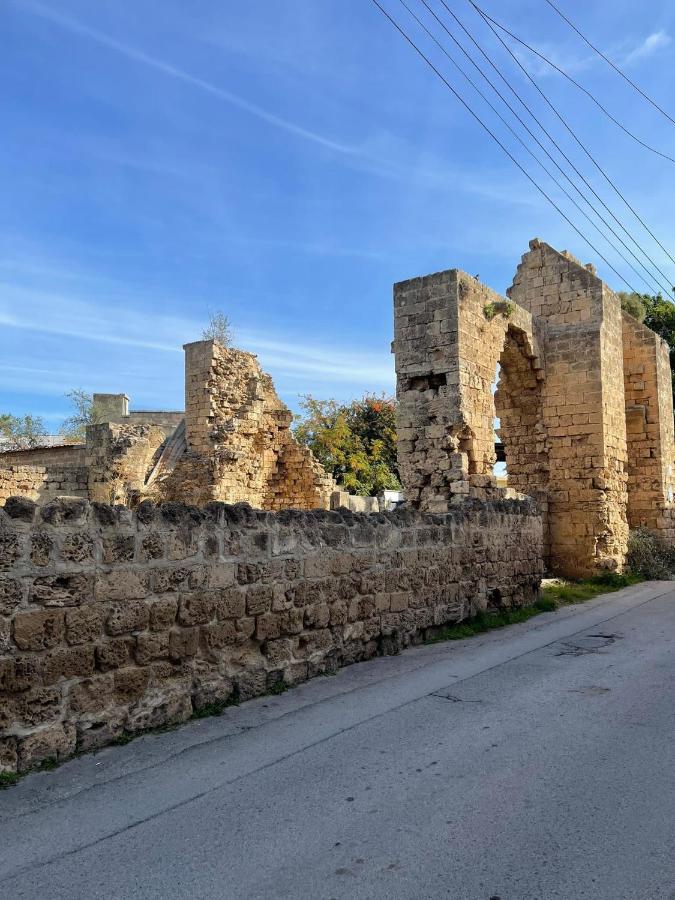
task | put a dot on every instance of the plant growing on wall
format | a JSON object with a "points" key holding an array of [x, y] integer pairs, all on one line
{"points": [[219, 329], [505, 307], [355, 442]]}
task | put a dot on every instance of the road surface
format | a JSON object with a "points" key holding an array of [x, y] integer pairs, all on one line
{"points": [[527, 764]]}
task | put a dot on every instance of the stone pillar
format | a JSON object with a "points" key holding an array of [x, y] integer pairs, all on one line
{"points": [[583, 402], [199, 364], [431, 426]]}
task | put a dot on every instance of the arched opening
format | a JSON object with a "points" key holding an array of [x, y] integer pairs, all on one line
{"points": [[522, 455]]}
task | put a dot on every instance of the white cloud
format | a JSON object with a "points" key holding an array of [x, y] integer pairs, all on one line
{"points": [[178, 74], [48, 313], [404, 164], [651, 44]]}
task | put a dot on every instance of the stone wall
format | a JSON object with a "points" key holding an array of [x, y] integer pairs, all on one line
{"points": [[450, 334], [58, 456], [42, 483], [114, 621], [120, 458], [649, 409], [239, 443]]}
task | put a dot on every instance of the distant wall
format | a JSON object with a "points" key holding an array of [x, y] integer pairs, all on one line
{"points": [[43, 483], [115, 621], [65, 455]]}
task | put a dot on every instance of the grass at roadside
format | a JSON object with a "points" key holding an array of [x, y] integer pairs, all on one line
{"points": [[7, 779], [553, 595]]}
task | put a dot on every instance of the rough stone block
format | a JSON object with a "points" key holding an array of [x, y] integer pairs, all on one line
{"points": [[54, 742], [70, 589], [68, 662], [40, 630], [83, 624], [127, 617]]}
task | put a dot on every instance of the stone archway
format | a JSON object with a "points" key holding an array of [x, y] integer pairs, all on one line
{"points": [[518, 406]]}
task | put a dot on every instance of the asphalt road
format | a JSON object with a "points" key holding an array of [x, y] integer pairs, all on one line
{"points": [[535, 762]]}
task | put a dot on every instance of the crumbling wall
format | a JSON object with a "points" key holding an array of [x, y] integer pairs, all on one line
{"points": [[114, 621], [450, 335], [239, 443], [120, 458]]}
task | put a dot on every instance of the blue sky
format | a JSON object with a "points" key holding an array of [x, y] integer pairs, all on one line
{"points": [[282, 160]]}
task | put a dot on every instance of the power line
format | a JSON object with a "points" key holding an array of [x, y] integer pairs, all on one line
{"points": [[562, 72], [497, 141], [539, 143], [609, 61], [583, 147]]}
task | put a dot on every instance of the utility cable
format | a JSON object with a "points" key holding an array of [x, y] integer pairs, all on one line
{"points": [[586, 151], [549, 62], [609, 62], [523, 143], [498, 142]]}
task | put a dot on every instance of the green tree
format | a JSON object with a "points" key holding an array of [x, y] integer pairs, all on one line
{"points": [[85, 412], [633, 304], [656, 313], [21, 432], [355, 442]]}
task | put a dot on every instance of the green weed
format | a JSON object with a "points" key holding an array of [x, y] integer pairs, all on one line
{"points": [[8, 779], [552, 596]]}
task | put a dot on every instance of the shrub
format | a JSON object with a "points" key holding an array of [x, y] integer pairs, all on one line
{"points": [[650, 556]]}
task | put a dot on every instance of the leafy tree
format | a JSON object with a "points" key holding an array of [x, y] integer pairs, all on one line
{"points": [[86, 412], [21, 432], [633, 304], [219, 329], [658, 314], [355, 442]]}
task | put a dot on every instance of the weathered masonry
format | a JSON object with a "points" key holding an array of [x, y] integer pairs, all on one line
{"points": [[113, 621], [118, 618], [232, 443], [583, 400]]}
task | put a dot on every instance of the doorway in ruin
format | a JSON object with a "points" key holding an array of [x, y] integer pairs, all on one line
{"points": [[522, 455]]}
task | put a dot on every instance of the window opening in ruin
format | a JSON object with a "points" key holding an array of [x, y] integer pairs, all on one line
{"points": [[499, 470]]}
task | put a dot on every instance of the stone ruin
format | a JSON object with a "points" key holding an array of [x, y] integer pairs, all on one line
{"points": [[583, 399], [233, 443], [119, 618]]}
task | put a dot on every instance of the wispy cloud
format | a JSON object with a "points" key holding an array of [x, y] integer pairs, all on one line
{"points": [[405, 164], [179, 74], [651, 45], [573, 63], [565, 60], [48, 314]]}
